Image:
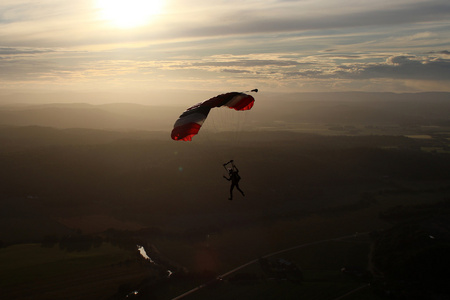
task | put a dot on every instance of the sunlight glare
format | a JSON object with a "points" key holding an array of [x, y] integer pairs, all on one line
{"points": [[129, 13]]}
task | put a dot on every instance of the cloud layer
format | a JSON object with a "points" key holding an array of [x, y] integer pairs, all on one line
{"points": [[304, 45]]}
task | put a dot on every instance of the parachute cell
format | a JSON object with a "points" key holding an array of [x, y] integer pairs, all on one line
{"points": [[190, 122]]}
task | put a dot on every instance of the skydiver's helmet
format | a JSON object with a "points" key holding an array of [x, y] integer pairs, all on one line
{"points": [[230, 171]]}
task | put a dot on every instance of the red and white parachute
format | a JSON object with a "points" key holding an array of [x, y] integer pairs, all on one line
{"points": [[190, 122]]}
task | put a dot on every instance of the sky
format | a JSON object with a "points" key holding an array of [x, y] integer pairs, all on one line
{"points": [[223, 45]]}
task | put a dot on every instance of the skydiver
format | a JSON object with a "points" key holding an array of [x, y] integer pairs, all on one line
{"points": [[234, 177]]}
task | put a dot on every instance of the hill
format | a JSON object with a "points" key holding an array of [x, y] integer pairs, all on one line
{"points": [[144, 178], [279, 111], [97, 180]]}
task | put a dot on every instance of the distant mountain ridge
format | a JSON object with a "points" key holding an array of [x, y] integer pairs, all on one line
{"points": [[324, 108], [81, 115]]}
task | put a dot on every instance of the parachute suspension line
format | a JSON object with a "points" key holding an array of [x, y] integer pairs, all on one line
{"points": [[210, 139], [241, 124], [220, 134], [231, 111], [228, 125], [208, 150], [241, 121]]}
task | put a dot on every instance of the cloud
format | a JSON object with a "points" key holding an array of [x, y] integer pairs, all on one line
{"points": [[394, 67], [303, 16], [71, 23], [249, 63], [275, 42], [444, 52], [15, 51], [407, 67], [235, 71]]}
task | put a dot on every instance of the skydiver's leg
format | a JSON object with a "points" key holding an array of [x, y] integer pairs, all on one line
{"points": [[237, 186], [231, 191]]}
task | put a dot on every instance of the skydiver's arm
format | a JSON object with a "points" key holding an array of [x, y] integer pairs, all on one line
{"points": [[227, 178]]}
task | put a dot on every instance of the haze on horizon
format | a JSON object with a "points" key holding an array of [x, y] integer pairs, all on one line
{"points": [[124, 47]]}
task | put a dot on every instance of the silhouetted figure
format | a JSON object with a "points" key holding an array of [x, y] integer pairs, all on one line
{"points": [[233, 172]]}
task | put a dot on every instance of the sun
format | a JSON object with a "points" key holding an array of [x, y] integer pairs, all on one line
{"points": [[129, 13]]}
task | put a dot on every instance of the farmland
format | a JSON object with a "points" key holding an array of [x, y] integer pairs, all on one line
{"points": [[76, 202]]}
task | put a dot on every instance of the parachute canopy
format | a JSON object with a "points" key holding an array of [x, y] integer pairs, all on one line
{"points": [[190, 122]]}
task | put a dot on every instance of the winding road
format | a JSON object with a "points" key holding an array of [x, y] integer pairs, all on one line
{"points": [[269, 255]]}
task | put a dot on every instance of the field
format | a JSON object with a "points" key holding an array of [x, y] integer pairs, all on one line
{"points": [[321, 268], [321, 263], [30, 271], [76, 202]]}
